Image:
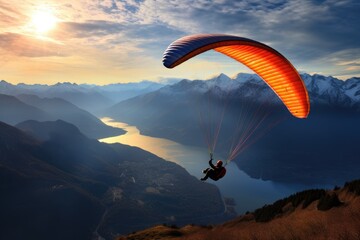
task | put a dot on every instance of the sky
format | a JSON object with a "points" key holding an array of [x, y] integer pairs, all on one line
{"points": [[112, 41]]}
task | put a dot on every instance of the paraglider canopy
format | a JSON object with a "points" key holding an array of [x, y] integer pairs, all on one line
{"points": [[270, 65]]}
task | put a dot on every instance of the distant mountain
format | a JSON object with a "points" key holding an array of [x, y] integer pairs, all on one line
{"points": [[81, 96], [45, 131], [322, 90], [122, 91], [13, 111], [332, 91], [62, 184], [297, 150], [58, 108], [85, 98], [92, 98], [312, 214], [30, 107]]}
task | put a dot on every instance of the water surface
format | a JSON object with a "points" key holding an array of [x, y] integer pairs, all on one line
{"points": [[249, 193]]}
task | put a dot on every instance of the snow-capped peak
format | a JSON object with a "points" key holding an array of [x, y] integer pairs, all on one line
{"points": [[248, 77], [352, 89], [222, 81]]}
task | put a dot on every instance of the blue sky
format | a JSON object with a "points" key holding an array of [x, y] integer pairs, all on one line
{"points": [[123, 41]]}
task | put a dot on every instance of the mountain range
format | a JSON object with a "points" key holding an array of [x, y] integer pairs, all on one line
{"points": [[57, 183], [14, 110], [186, 110], [92, 98], [322, 148]]}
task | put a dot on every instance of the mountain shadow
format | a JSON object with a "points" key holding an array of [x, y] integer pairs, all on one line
{"points": [[39, 200], [57, 182]]}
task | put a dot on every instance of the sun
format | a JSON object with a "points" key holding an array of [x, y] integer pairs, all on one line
{"points": [[42, 21]]}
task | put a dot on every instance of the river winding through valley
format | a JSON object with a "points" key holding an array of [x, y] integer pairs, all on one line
{"points": [[248, 193]]}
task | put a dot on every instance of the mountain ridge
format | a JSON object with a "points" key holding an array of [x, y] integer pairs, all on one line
{"points": [[59, 108], [318, 86], [311, 214], [348, 90], [14, 110], [90, 97]]}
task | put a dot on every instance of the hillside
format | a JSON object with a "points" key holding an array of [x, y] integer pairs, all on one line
{"points": [[37, 198], [313, 214], [60, 183]]}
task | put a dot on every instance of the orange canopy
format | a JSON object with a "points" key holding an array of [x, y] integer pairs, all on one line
{"points": [[269, 64]]}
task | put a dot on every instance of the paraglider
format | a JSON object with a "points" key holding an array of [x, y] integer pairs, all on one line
{"points": [[216, 172], [276, 71], [269, 64]]}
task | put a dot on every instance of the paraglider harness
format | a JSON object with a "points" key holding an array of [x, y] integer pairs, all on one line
{"points": [[215, 172]]}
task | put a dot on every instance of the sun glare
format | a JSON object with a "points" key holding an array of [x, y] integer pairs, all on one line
{"points": [[43, 21]]}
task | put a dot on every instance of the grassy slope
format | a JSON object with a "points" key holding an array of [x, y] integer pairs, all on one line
{"points": [[298, 223]]}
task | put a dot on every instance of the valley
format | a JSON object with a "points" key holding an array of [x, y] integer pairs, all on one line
{"points": [[251, 193]]}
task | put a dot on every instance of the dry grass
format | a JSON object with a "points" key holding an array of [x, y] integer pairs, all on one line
{"points": [[340, 223], [162, 232]]}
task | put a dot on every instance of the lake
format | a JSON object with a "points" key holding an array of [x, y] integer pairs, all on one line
{"points": [[248, 193]]}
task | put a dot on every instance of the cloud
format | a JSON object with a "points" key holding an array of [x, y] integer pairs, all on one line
{"points": [[318, 26], [347, 62], [304, 30], [315, 35], [27, 46], [90, 28], [10, 15]]}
